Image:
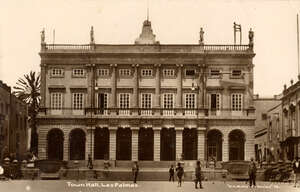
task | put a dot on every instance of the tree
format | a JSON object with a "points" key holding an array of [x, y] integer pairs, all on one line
{"points": [[27, 89]]}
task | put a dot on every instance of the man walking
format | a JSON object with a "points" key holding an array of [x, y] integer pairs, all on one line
{"points": [[296, 169], [198, 176], [180, 172], [252, 173], [135, 171], [171, 173]]}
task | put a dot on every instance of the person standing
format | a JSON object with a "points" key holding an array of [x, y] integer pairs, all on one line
{"points": [[90, 162], [171, 173], [252, 173], [180, 172], [198, 176], [296, 169], [135, 171]]}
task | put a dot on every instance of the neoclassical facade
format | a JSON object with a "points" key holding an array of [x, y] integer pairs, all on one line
{"points": [[146, 101]]}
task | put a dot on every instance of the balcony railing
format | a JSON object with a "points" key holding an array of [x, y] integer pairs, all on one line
{"points": [[146, 112]]}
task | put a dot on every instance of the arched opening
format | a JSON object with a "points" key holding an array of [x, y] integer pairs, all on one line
{"points": [[101, 143], [123, 144], [55, 144], [214, 145], [167, 144], [189, 144], [146, 141], [77, 144], [236, 145]]}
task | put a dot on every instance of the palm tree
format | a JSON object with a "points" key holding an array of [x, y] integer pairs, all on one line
{"points": [[27, 89]]}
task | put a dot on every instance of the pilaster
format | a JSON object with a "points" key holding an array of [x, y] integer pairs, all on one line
{"points": [[157, 87], [179, 152], [134, 144], [156, 143], [113, 85], [201, 143], [112, 142], [90, 142], [225, 148], [179, 86]]}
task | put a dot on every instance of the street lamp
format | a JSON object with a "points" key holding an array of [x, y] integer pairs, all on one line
{"points": [[76, 162]]}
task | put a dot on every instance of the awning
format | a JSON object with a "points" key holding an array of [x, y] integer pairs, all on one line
{"points": [[291, 139]]}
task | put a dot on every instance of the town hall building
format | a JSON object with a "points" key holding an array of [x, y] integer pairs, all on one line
{"points": [[146, 101]]}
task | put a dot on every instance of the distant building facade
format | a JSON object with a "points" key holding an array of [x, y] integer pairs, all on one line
{"points": [[13, 123], [146, 101]]}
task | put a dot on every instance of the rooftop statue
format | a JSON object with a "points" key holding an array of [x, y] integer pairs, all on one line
{"points": [[43, 36], [251, 37], [92, 35], [201, 41]]}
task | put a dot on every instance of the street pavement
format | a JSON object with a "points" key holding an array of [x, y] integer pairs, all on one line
{"points": [[145, 186]]}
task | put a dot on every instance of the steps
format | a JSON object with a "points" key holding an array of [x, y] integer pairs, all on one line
{"points": [[49, 176]]}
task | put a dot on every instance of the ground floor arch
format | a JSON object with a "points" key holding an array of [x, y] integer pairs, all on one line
{"points": [[236, 145], [214, 145], [55, 144], [77, 144], [189, 145], [101, 143], [123, 151], [146, 144], [167, 144]]}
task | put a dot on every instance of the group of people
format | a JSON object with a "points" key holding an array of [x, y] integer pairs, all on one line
{"points": [[180, 174]]}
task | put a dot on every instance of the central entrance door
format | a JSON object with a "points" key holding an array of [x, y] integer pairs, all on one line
{"points": [[146, 144], [123, 144], [168, 144], [236, 145], [190, 144], [101, 146]]}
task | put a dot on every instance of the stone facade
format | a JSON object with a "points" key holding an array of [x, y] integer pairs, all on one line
{"points": [[162, 101], [13, 123]]}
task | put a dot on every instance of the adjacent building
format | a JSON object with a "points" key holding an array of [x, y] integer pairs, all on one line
{"points": [[146, 101], [13, 123]]}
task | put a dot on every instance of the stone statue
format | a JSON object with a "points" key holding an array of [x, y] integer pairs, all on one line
{"points": [[251, 37], [92, 35], [43, 36], [201, 41]]}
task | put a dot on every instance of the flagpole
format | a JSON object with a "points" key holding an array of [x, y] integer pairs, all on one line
{"points": [[298, 45]]}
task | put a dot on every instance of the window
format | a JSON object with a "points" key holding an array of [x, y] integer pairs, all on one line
{"points": [[124, 100], [57, 72], [102, 100], [146, 72], [146, 100], [215, 101], [78, 72], [103, 72], [190, 102], [190, 72], [168, 72], [236, 102], [124, 72], [78, 101], [168, 101], [236, 73], [215, 73], [56, 100]]}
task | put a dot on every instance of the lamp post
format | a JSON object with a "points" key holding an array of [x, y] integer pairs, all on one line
{"points": [[76, 162]]}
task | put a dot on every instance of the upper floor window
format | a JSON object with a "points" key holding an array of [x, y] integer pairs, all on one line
{"points": [[190, 101], [215, 101], [190, 72], [103, 72], [56, 100], [146, 72], [146, 101], [78, 73], [124, 100], [124, 72], [236, 73], [57, 72], [236, 101], [215, 73], [168, 72], [102, 100], [78, 101], [168, 101]]}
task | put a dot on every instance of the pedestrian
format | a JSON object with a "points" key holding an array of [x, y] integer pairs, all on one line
{"points": [[252, 173], [90, 162], [296, 170], [180, 172], [135, 171], [171, 173], [198, 176]]}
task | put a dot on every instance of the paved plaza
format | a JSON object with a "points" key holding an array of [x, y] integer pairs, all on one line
{"points": [[127, 186]]}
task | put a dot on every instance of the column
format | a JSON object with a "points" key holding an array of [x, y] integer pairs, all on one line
{"points": [[89, 149], [43, 85], [134, 143], [201, 143], [179, 138], [225, 148], [179, 87], [89, 82], [135, 89], [42, 140], [112, 143], [156, 143], [157, 87], [66, 146], [200, 90], [113, 86]]}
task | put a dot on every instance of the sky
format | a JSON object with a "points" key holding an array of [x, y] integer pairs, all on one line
{"points": [[173, 22]]}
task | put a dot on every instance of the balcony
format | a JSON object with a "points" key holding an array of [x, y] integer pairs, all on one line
{"points": [[148, 112]]}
